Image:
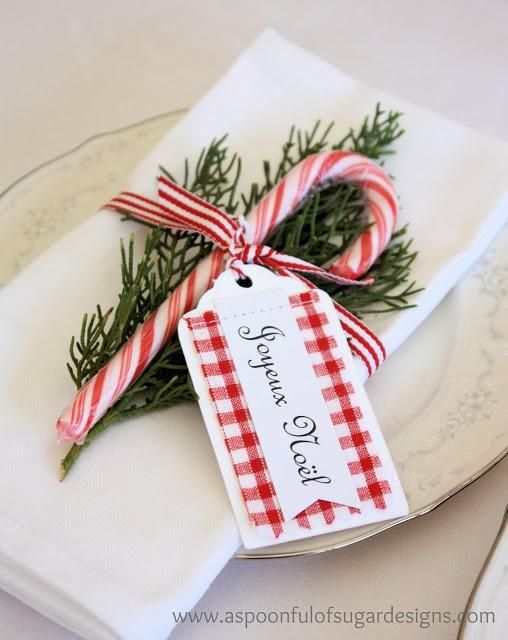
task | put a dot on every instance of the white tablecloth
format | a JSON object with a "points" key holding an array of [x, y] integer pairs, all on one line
{"points": [[59, 61]]}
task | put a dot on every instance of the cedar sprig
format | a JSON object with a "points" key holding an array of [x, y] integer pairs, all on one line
{"points": [[327, 221]]}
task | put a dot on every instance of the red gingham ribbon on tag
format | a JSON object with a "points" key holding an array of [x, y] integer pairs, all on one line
{"points": [[239, 432]]}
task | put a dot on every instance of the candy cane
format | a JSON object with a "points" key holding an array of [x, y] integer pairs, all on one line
{"points": [[319, 170]]}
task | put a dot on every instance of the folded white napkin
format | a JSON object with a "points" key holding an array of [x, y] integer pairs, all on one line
{"points": [[142, 525]]}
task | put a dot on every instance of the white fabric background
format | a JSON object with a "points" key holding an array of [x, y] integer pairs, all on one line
{"points": [[450, 56]]}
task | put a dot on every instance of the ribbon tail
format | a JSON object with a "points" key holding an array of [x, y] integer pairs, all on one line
{"points": [[363, 342], [144, 210], [278, 260], [181, 210], [197, 214]]}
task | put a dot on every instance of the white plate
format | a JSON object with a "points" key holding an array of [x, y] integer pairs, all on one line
{"points": [[444, 431]]}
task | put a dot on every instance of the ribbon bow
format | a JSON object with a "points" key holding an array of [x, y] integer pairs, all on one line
{"points": [[180, 209], [241, 242]]}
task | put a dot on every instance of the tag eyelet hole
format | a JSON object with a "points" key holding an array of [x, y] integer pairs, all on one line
{"points": [[244, 282]]}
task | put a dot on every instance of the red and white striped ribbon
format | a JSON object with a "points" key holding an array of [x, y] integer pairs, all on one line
{"points": [[239, 242]]}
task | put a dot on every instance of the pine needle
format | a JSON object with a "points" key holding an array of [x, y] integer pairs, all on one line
{"points": [[325, 224]]}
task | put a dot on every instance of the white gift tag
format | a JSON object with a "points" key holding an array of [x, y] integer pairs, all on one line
{"points": [[297, 442]]}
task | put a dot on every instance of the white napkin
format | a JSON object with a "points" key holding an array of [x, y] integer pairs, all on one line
{"points": [[142, 525]]}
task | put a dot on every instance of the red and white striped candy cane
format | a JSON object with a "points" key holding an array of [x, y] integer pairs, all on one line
{"points": [[381, 207]]}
